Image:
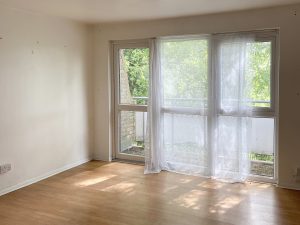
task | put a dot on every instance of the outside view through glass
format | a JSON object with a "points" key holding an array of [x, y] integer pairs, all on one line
{"points": [[134, 84], [185, 70]]}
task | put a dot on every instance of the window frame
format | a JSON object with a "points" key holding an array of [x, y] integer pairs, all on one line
{"points": [[212, 110], [257, 112], [193, 110], [117, 106], [269, 37], [259, 36], [273, 110]]}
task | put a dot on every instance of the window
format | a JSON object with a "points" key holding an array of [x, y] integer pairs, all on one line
{"points": [[184, 69], [131, 83], [134, 75], [209, 84], [260, 71], [260, 88]]}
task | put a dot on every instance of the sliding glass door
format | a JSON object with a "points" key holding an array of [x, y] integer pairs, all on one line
{"points": [[131, 83]]}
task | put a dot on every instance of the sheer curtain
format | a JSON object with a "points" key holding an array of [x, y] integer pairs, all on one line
{"points": [[232, 130], [154, 160], [199, 116]]}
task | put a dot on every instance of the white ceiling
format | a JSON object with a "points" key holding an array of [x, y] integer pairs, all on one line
{"points": [[93, 11]]}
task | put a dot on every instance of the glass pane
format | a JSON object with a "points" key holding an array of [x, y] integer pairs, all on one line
{"points": [[261, 148], [132, 132], [262, 153], [184, 68], [232, 90], [245, 75], [185, 141], [259, 72], [231, 144], [134, 75]]}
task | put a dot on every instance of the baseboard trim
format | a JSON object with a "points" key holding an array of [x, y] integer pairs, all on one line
{"points": [[289, 186], [42, 177], [98, 158]]}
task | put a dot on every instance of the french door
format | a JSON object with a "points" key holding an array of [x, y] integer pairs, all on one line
{"points": [[131, 83]]}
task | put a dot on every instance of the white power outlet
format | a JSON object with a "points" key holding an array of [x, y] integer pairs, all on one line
{"points": [[5, 168]]}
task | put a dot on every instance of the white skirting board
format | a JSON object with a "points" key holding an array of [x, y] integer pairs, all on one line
{"points": [[42, 177]]}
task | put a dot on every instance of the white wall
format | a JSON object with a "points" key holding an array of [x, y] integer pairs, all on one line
{"points": [[45, 95], [280, 17]]}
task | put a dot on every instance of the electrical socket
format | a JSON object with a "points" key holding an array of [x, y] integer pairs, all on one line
{"points": [[5, 168]]}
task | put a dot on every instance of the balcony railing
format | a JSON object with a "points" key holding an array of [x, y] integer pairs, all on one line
{"points": [[262, 156], [194, 102]]}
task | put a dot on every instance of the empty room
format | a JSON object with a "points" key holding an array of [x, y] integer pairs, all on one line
{"points": [[140, 112]]}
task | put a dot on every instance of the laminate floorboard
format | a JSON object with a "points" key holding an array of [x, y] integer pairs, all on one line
{"points": [[100, 193]]}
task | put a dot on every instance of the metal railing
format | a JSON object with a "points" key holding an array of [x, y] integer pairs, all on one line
{"points": [[141, 129], [201, 102]]}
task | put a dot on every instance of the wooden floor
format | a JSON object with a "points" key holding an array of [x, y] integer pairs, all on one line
{"points": [[119, 194]]}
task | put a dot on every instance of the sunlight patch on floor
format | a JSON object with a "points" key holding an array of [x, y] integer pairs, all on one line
{"points": [[211, 185], [226, 204], [166, 190], [190, 199], [184, 180], [94, 181], [263, 186], [123, 187]]}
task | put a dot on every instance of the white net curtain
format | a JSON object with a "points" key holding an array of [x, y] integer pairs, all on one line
{"points": [[199, 114]]}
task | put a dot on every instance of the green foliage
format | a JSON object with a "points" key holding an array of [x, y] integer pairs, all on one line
{"points": [[139, 144], [185, 69], [261, 157], [259, 71], [137, 68]]}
